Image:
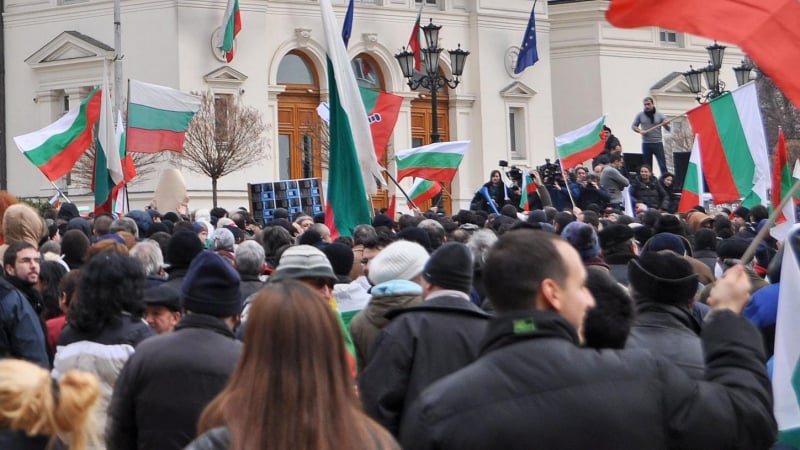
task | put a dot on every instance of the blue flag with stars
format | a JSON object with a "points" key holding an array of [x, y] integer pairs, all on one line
{"points": [[347, 28], [528, 55]]}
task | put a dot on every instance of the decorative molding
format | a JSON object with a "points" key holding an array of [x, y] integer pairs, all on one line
{"points": [[510, 61], [370, 40], [303, 36], [69, 48], [517, 90]]}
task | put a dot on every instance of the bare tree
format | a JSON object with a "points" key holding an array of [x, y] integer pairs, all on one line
{"points": [[777, 111], [225, 136], [83, 172]]}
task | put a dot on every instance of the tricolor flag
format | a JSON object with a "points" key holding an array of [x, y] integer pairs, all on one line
{"points": [[735, 161], [435, 162], [107, 161], [581, 144], [158, 117], [353, 168], [391, 211], [782, 182], [423, 190], [120, 192], [231, 26], [414, 43], [528, 189], [786, 370], [57, 147], [692, 194]]}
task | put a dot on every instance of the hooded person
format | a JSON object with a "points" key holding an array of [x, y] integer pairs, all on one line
{"points": [[183, 246], [618, 248], [22, 223], [663, 285], [396, 276]]}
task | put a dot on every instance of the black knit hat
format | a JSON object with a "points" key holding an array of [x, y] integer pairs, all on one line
{"points": [[450, 267], [614, 234], [183, 246], [663, 277], [212, 286], [340, 256], [732, 248]]}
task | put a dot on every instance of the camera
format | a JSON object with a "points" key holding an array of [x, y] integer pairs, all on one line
{"points": [[550, 173]]}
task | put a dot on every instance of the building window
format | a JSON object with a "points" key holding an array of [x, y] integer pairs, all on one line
{"points": [[427, 2], [516, 132], [367, 73], [294, 69], [669, 38]]}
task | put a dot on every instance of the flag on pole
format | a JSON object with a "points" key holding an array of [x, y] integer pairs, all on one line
{"points": [[128, 166], [57, 147], [158, 117], [423, 190], [766, 30], [581, 144], [528, 189], [347, 28], [782, 182], [107, 163], [391, 211], [435, 162], [692, 193], [353, 168], [55, 201], [231, 26], [528, 53], [786, 369], [735, 161], [627, 204], [414, 43]]}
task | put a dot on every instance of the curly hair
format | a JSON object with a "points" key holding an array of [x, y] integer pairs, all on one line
{"points": [[110, 283]]}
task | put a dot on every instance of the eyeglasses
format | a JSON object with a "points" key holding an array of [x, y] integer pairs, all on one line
{"points": [[318, 282]]}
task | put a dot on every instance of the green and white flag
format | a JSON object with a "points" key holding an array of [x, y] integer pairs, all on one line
{"points": [[786, 373]]}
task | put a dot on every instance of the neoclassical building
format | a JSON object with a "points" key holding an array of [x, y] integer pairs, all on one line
{"points": [[55, 50]]}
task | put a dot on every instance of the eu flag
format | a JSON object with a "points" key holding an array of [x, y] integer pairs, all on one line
{"points": [[528, 55], [347, 28]]}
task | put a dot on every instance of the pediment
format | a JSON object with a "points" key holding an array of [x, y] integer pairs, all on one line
{"points": [[517, 89], [70, 47], [673, 83], [225, 75]]}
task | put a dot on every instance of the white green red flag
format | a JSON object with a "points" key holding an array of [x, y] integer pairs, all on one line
{"points": [[414, 42], [692, 193], [353, 169], [231, 26], [435, 162], [57, 147], [786, 369], [121, 205], [107, 162], [158, 117], [782, 182], [528, 189], [423, 190], [578, 145], [735, 161]]}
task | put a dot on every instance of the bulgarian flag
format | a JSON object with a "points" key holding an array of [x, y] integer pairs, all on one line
{"points": [[383, 110], [782, 182], [577, 146], [786, 370], [158, 117], [423, 190], [414, 43], [57, 147], [435, 162], [734, 147], [107, 162], [692, 194], [231, 26], [353, 169], [528, 189]]}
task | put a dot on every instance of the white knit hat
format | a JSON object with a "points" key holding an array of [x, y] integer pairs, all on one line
{"points": [[401, 260]]}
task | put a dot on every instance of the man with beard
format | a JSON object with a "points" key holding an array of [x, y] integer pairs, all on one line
{"points": [[21, 266], [648, 123]]}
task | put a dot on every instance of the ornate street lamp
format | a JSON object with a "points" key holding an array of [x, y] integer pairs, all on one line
{"points": [[430, 78], [715, 86]]}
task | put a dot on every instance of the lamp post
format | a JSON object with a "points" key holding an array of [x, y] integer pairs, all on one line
{"points": [[430, 78], [715, 86]]}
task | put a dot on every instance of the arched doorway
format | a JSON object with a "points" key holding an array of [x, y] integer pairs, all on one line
{"points": [[298, 123], [421, 115]]}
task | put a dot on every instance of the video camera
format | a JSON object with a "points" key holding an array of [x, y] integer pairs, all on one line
{"points": [[514, 173], [550, 173]]}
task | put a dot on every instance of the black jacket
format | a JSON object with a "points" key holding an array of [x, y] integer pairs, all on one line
{"points": [[649, 192], [420, 345], [168, 382], [672, 332], [534, 387], [21, 334]]}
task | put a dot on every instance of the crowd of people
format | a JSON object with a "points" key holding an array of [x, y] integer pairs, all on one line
{"points": [[560, 328]]}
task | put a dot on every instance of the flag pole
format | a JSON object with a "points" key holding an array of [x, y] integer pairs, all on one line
{"points": [[60, 192], [566, 182], [666, 122], [413, 205], [762, 234]]}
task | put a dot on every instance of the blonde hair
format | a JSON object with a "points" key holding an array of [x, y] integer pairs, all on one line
{"points": [[28, 402]]}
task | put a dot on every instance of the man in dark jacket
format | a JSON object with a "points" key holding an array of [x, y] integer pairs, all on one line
{"points": [[171, 378], [424, 343], [663, 285], [534, 386]]}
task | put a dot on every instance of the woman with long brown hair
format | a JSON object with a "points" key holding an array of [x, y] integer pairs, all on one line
{"points": [[293, 388]]}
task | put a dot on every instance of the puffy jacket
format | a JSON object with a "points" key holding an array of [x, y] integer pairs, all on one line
{"points": [[21, 334], [649, 192], [535, 387]]}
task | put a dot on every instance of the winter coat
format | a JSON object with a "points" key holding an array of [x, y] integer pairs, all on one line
{"points": [[593, 195], [21, 334], [535, 387], [168, 382], [18, 440], [250, 285], [421, 344], [220, 439], [386, 297], [497, 193], [103, 354], [762, 310], [618, 266], [614, 182], [669, 331], [649, 192]]}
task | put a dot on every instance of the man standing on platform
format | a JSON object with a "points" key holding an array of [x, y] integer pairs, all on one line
{"points": [[648, 123]]}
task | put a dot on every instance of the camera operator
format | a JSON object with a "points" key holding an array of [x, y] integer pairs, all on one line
{"points": [[592, 192], [540, 198], [557, 186]]}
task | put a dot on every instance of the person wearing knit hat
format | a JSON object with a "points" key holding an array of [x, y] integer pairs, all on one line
{"points": [[396, 273], [583, 237], [182, 247], [618, 246], [424, 343], [664, 285], [169, 380], [341, 258]]}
